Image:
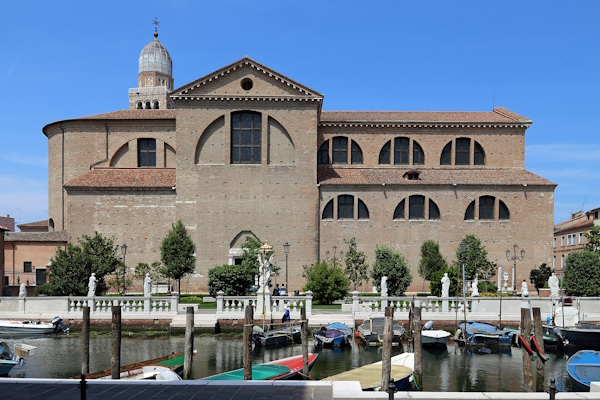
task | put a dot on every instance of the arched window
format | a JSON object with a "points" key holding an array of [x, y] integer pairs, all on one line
{"points": [[345, 206], [356, 156], [401, 150], [486, 207], [148, 106], [399, 211], [155, 104], [416, 207], [363, 211], [339, 154], [503, 212], [462, 151], [146, 152], [51, 225], [245, 137], [328, 210], [434, 211], [384, 154], [445, 158], [479, 155], [323, 155], [418, 155], [139, 105], [470, 213]]}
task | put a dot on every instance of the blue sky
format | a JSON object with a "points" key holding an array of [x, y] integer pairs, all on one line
{"points": [[539, 59]]}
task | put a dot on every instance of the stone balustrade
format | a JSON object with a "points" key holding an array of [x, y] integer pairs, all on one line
{"points": [[232, 307]]}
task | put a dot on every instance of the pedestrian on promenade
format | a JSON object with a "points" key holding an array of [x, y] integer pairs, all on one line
{"points": [[282, 291], [276, 290]]}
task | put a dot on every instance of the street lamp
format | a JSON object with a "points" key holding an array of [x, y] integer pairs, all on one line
{"points": [[463, 248], [514, 258], [124, 252], [286, 250]]}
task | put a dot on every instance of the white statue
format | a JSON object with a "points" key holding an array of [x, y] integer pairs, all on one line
{"points": [[445, 285], [474, 288], [23, 290], [147, 285], [264, 271], [524, 290], [553, 285], [92, 286], [384, 292], [505, 278]]}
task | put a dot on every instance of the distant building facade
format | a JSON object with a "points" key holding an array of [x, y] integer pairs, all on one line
{"points": [[8, 223], [570, 236], [247, 151]]}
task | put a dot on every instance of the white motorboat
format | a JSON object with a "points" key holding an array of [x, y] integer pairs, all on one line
{"points": [[434, 337], [31, 327]]}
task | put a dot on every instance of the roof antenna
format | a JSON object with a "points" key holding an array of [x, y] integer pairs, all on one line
{"points": [[583, 205]]}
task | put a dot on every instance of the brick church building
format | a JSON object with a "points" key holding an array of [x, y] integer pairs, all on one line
{"points": [[245, 150]]}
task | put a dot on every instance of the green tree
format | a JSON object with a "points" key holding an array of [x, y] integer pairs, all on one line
{"points": [[393, 265], [177, 253], [250, 249], [156, 271], [582, 274], [431, 260], [327, 281], [539, 276], [71, 268], [356, 267], [593, 239], [476, 261], [435, 283], [233, 280]]}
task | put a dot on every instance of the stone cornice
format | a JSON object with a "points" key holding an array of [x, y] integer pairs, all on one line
{"points": [[246, 98], [371, 124]]}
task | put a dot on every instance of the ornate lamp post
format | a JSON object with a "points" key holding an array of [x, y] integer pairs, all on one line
{"points": [[286, 250], [124, 252], [463, 248], [514, 258], [334, 254]]}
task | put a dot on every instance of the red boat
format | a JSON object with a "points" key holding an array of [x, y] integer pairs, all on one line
{"points": [[295, 364]]}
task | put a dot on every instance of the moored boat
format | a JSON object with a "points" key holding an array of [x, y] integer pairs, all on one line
{"points": [[434, 337], [31, 327], [484, 334], [281, 369], [586, 336], [163, 368], [369, 376], [371, 332], [584, 367], [336, 334], [276, 337]]}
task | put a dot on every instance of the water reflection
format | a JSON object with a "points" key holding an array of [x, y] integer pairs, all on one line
{"points": [[447, 369]]}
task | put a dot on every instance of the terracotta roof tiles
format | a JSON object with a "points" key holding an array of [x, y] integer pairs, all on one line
{"points": [[394, 176], [134, 114], [36, 224], [57, 236], [117, 178]]}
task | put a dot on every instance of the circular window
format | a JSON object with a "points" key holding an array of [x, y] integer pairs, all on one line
{"points": [[247, 84]]}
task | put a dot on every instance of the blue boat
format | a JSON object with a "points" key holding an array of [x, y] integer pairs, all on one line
{"points": [[584, 367], [336, 334], [485, 335], [7, 359]]}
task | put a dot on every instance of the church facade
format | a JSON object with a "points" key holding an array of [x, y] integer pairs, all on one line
{"points": [[246, 150]]}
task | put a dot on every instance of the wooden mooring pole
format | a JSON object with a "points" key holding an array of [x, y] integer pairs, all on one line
{"points": [[418, 349], [248, 322], [115, 359], [539, 338], [386, 357], [189, 343], [304, 338], [85, 341], [525, 333]]}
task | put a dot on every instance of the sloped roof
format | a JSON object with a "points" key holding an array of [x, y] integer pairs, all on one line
{"points": [[462, 176], [36, 224], [498, 115], [574, 223], [56, 236], [131, 178]]}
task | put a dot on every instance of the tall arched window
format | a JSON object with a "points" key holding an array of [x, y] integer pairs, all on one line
{"points": [[416, 207], [479, 155], [445, 158], [503, 212], [434, 211], [470, 212], [323, 155], [486, 207], [148, 105], [462, 151], [418, 155], [363, 211], [356, 156], [139, 105], [328, 210], [401, 148], [345, 206], [384, 154], [339, 153], [245, 137], [146, 152], [399, 211]]}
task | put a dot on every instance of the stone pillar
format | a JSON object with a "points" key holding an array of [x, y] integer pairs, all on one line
{"points": [[220, 294], [445, 305], [175, 302], [22, 305], [308, 304], [263, 303], [354, 302]]}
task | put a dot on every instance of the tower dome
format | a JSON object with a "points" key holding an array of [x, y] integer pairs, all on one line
{"points": [[155, 58]]}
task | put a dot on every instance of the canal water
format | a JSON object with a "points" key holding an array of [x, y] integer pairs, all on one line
{"points": [[450, 369]]}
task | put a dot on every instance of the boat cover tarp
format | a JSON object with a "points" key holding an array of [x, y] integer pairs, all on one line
{"points": [[369, 376], [172, 362], [260, 372]]}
